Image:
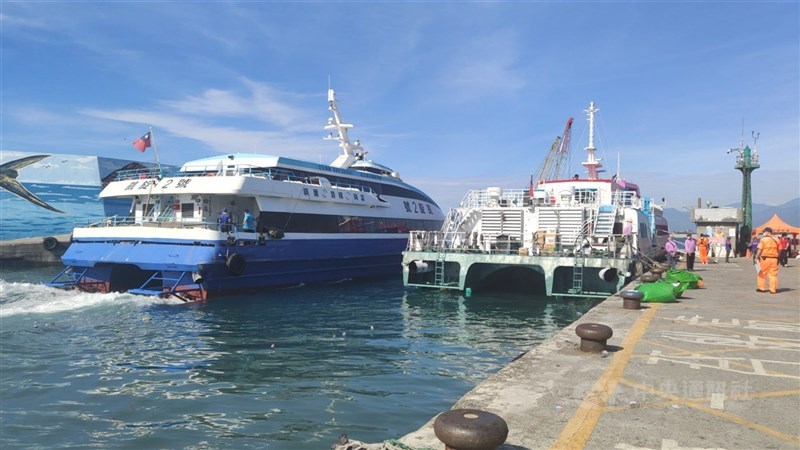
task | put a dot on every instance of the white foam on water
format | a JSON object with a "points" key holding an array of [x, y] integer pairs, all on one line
{"points": [[29, 298]]}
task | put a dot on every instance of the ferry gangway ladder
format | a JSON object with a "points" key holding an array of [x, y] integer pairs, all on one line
{"points": [[577, 267], [438, 274]]}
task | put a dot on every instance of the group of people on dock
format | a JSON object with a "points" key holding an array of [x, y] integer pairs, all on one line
{"points": [[768, 252]]}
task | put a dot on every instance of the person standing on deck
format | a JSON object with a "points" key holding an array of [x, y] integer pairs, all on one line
{"points": [[224, 221], [702, 246], [671, 247], [248, 222], [767, 257], [627, 242], [690, 245]]}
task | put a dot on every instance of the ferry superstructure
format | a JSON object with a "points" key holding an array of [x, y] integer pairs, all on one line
{"points": [[314, 223], [572, 237]]}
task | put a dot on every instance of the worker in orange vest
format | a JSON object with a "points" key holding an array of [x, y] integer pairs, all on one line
{"points": [[702, 247], [767, 257]]}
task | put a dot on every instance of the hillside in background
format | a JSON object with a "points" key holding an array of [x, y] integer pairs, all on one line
{"points": [[789, 212]]}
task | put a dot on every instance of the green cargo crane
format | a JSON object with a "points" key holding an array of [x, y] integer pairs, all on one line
{"points": [[746, 162]]}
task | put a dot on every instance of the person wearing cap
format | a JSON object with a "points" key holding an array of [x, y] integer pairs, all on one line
{"points": [[767, 257], [224, 221], [248, 222]]}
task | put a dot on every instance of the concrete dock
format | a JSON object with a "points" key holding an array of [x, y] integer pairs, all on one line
{"points": [[34, 251], [718, 369]]}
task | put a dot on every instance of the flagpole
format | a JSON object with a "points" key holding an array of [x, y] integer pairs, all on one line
{"points": [[155, 148]]}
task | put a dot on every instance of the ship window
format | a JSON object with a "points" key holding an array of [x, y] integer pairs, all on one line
{"points": [[340, 195], [187, 210], [586, 196], [305, 191], [362, 197], [316, 193]]}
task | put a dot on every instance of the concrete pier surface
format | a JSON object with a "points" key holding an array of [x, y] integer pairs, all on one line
{"points": [[718, 369], [37, 250]]}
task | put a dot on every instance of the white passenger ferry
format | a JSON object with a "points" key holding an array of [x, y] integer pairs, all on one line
{"points": [[314, 222], [578, 236]]}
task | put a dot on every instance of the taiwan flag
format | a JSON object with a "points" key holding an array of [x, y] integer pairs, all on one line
{"points": [[142, 143]]}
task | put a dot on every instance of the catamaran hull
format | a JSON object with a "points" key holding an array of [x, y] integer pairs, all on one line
{"points": [[197, 270]]}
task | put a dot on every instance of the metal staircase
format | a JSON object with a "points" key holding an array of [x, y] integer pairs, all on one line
{"points": [[165, 286], [604, 224], [69, 279]]}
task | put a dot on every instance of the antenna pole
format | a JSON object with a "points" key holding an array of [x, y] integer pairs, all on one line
{"points": [[155, 149]]}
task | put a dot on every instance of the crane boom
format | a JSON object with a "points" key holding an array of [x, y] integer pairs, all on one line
{"points": [[554, 165], [563, 152]]}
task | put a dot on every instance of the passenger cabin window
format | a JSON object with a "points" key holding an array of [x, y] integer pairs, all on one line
{"points": [[586, 196]]}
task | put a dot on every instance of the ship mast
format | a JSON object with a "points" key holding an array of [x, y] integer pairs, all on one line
{"points": [[351, 152], [591, 163]]}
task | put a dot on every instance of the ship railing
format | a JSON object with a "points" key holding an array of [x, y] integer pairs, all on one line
{"points": [[270, 173], [626, 199], [540, 244], [495, 198], [159, 222], [140, 174]]}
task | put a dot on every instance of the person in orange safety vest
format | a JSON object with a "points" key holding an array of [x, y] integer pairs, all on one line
{"points": [[767, 257], [702, 247]]}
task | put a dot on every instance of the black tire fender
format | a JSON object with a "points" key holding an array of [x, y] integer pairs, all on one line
{"points": [[235, 264], [50, 243]]}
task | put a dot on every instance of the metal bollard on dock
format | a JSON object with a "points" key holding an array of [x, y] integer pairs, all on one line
{"points": [[470, 429]]}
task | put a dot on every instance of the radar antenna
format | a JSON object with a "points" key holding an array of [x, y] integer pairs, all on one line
{"points": [[351, 152]]}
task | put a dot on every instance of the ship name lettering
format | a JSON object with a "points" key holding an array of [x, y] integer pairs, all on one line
{"points": [[182, 183], [131, 185]]}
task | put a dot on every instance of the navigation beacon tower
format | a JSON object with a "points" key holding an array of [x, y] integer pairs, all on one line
{"points": [[746, 162]]}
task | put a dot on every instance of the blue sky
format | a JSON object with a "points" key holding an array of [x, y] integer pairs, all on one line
{"points": [[454, 96]]}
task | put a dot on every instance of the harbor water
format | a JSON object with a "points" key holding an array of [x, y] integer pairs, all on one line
{"points": [[284, 369]]}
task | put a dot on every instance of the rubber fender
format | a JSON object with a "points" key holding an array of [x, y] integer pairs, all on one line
{"points": [[275, 233], [50, 243], [235, 264]]}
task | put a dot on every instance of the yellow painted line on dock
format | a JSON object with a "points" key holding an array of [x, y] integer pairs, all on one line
{"points": [[730, 417], [580, 427]]}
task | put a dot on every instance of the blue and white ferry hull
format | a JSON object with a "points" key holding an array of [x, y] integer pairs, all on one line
{"points": [[287, 222], [211, 266]]}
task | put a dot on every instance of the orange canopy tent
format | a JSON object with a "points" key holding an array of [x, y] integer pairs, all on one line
{"points": [[778, 227]]}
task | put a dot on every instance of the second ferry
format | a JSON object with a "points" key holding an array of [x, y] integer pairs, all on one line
{"points": [[310, 223]]}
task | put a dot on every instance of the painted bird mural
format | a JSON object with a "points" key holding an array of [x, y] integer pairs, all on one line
{"points": [[8, 180]]}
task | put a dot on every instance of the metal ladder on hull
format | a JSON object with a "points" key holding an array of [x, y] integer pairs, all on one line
{"points": [[163, 286], [577, 266], [76, 280], [438, 274]]}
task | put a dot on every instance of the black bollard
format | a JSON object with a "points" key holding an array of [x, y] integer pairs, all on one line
{"points": [[593, 336], [470, 429], [631, 299]]}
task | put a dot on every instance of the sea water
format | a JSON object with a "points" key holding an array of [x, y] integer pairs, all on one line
{"points": [[284, 369]]}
